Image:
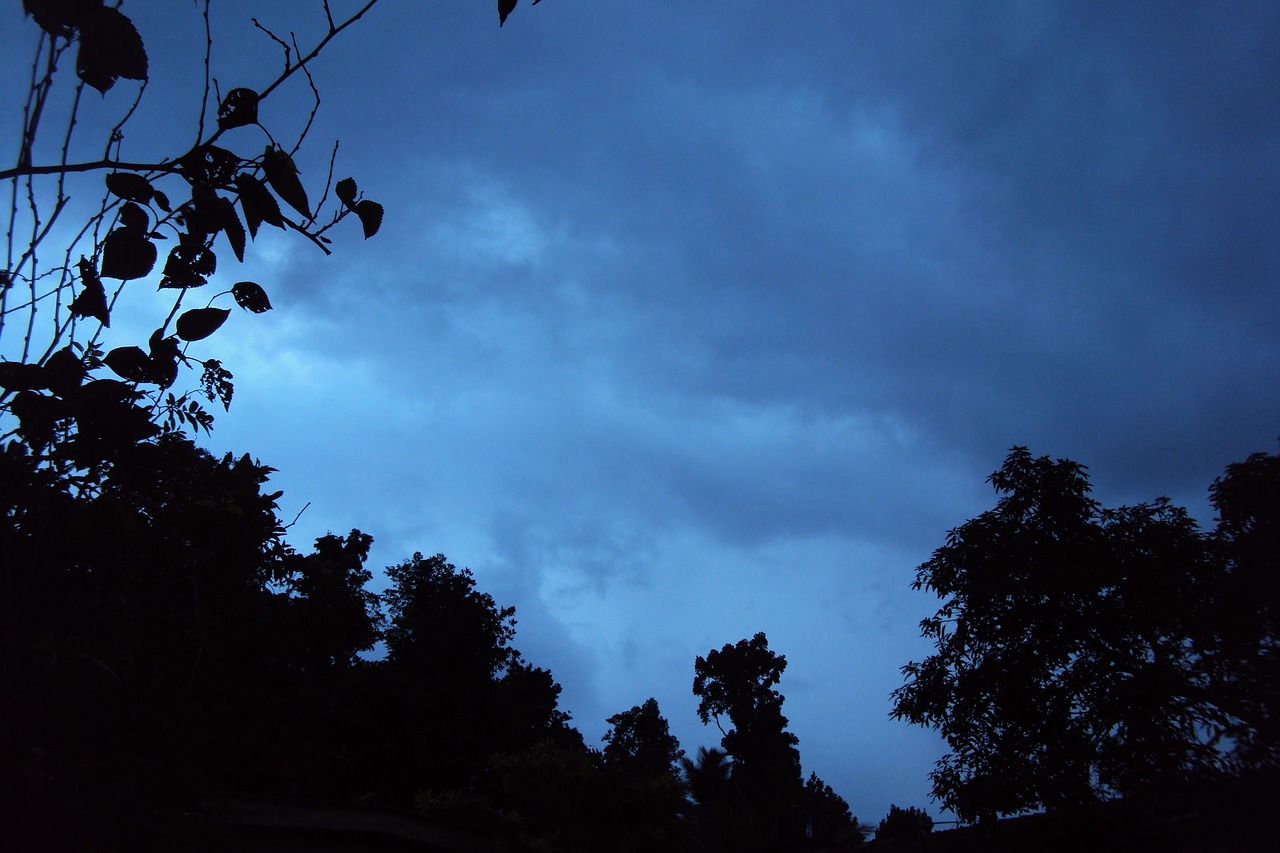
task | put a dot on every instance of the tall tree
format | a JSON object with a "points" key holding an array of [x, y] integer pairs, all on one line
{"points": [[738, 681], [1067, 663]]}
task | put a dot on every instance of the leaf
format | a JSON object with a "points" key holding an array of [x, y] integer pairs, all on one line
{"points": [[208, 164], [165, 353], [37, 414], [251, 296], [345, 190], [127, 254], [21, 376], [258, 203], [505, 7], [132, 216], [65, 371], [129, 363], [232, 228], [238, 108], [199, 323], [58, 17], [282, 175], [370, 213], [110, 48], [188, 266], [130, 186], [162, 201], [92, 299]]}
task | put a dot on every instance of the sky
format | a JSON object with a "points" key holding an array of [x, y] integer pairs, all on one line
{"points": [[693, 320]]}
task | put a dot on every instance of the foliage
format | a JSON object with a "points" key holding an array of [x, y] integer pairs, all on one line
{"points": [[906, 823], [457, 691], [1246, 658], [159, 639], [1070, 648], [832, 821], [640, 741], [58, 300], [737, 681]]}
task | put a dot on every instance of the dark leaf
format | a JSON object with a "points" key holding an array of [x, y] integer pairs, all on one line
{"points": [[92, 299], [20, 376], [209, 164], [127, 254], [239, 107], [162, 201], [282, 174], [251, 296], [110, 48], [130, 187], [370, 213], [233, 229], [132, 216], [129, 363], [199, 323], [37, 414], [345, 190], [165, 353], [106, 413], [258, 203], [188, 266], [65, 371], [505, 8], [201, 216], [59, 17]]}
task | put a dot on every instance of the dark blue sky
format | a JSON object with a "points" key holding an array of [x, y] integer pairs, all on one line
{"points": [[693, 320]]}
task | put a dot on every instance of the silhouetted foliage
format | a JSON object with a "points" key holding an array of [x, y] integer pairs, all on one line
{"points": [[737, 681], [640, 742], [1073, 648], [904, 823], [1246, 660], [832, 821], [459, 692]]}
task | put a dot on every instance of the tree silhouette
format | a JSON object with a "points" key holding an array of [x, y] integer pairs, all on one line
{"points": [[1246, 660], [1068, 661], [906, 823], [640, 741], [458, 691], [738, 681]]}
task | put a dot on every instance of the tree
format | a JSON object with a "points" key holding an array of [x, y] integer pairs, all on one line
{"points": [[737, 681], [640, 741], [1068, 663], [719, 816], [907, 823], [457, 691], [832, 821], [1246, 659]]}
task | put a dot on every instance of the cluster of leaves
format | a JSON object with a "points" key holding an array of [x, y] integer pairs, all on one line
{"points": [[1085, 653], [62, 410]]}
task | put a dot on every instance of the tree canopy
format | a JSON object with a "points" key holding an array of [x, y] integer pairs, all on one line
{"points": [[1078, 649]]}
